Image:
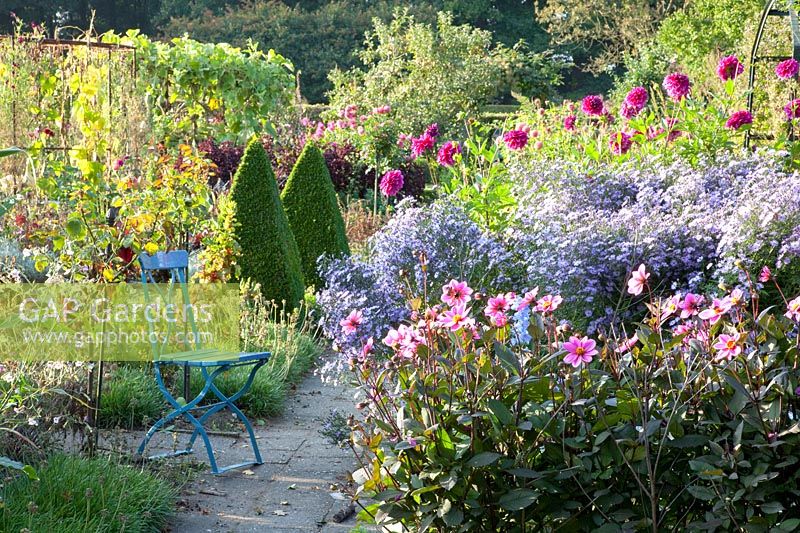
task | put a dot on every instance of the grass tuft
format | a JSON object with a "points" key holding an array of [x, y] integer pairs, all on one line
{"points": [[75, 494], [131, 399]]}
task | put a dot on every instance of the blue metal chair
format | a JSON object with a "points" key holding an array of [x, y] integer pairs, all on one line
{"points": [[209, 361]]}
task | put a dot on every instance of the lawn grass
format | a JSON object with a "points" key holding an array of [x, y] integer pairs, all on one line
{"points": [[75, 494]]}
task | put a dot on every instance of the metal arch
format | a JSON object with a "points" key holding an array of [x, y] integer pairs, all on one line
{"points": [[794, 24]]}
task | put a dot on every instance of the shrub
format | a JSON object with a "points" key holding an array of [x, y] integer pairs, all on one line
{"points": [[690, 424], [225, 156], [269, 254], [428, 73], [76, 494], [313, 212]]}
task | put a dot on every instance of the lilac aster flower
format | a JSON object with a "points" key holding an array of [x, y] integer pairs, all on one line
{"points": [[729, 68], [677, 85], [432, 130], [787, 70]]}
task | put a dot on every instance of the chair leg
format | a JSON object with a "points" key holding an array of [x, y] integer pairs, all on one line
{"points": [[228, 402], [181, 410]]}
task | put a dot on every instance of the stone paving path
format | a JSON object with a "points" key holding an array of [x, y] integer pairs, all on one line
{"points": [[297, 489]]}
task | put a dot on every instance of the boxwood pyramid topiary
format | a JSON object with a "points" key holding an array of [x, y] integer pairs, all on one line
{"points": [[269, 254], [313, 212]]}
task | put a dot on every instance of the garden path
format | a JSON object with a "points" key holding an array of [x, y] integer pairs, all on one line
{"points": [[296, 489]]}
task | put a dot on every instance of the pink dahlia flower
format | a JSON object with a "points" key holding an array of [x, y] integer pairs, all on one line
{"points": [[456, 318], [628, 111], [351, 322], [717, 310], [499, 305], [765, 275], [391, 182], [787, 70], [677, 85], [527, 299], [729, 68], [739, 119], [516, 139], [638, 280], [727, 347], [637, 98], [569, 122], [671, 306], [792, 109], [422, 144], [548, 303], [432, 130], [592, 105], [691, 305], [579, 350], [456, 293], [620, 143], [793, 310], [447, 153]]}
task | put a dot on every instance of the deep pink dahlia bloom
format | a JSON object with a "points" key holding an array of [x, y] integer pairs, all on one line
{"points": [[628, 111], [447, 153], [787, 70], [422, 144], [729, 68], [391, 182], [792, 109], [432, 130], [516, 139], [620, 143], [592, 105], [569, 122], [677, 85], [739, 119], [637, 98]]}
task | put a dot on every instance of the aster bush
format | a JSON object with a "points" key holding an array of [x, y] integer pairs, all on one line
{"points": [[490, 416], [419, 250], [580, 228]]}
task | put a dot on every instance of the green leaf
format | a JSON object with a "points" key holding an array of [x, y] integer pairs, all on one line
{"points": [[483, 459], [28, 470], [500, 410], [772, 507], [5, 152], [789, 525], [518, 499], [701, 493], [76, 229]]}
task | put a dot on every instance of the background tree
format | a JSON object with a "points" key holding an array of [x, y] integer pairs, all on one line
{"points": [[601, 32]]}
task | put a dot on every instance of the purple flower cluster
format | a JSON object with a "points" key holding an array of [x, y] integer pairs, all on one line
{"points": [[583, 230], [418, 251]]}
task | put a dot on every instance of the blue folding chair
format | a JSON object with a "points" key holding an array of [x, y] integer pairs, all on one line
{"points": [[210, 362]]}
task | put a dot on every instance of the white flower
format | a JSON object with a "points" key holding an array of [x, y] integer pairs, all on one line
{"points": [[8, 377], [32, 421]]}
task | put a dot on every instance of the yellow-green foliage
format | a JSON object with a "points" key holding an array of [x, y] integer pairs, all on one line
{"points": [[313, 212], [268, 251]]}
